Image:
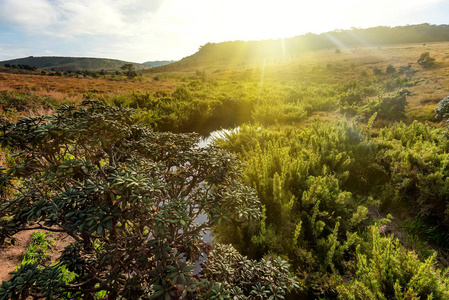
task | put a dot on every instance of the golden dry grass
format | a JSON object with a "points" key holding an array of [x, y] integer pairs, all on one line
{"points": [[61, 88], [351, 62]]}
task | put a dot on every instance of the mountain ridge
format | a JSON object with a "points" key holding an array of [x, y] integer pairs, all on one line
{"points": [[65, 63], [158, 63]]}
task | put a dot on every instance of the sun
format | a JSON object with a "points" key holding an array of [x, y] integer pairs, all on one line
{"points": [[256, 20], [189, 24]]}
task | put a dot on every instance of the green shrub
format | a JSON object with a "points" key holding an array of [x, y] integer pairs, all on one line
{"points": [[304, 179], [377, 71], [38, 250], [385, 270], [390, 70], [425, 60], [406, 70], [442, 110], [388, 108], [416, 161]]}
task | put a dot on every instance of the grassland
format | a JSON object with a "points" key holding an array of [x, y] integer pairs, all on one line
{"points": [[291, 90], [309, 68]]}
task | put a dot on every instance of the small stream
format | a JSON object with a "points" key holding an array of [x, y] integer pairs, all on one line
{"points": [[207, 234], [204, 142]]}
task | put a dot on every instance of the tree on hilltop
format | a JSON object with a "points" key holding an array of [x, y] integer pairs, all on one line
{"points": [[129, 70]]}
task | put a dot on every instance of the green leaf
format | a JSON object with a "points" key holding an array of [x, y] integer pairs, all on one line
{"points": [[157, 294]]}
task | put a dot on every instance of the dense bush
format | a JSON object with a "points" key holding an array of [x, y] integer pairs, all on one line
{"points": [[390, 70], [306, 181], [406, 70], [425, 60], [385, 270], [442, 110], [322, 186], [130, 198], [416, 160]]}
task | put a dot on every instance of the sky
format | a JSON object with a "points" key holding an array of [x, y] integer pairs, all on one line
{"points": [[149, 30]]}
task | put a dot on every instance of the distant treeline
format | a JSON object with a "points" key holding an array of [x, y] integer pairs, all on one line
{"points": [[241, 51], [21, 67], [72, 63]]}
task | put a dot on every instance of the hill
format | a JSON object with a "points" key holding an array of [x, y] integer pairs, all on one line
{"points": [[246, 52], [72, 63], [158, 63]]}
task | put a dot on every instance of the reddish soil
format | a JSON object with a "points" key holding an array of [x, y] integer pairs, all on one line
{"points": [[11, 256]]}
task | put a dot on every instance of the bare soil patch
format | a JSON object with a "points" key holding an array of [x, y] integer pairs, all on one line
{"points": [[11, 255]]}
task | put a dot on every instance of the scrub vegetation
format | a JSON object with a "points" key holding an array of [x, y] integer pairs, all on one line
{"points": [[333, 185]]}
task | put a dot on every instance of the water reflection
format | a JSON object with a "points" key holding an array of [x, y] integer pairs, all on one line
{"points": [[204, 142]]}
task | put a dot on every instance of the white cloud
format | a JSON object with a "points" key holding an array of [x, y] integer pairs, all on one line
{"points": [[82, 17], [87, 18], [385, 12], [28, 13], [11, 53]]}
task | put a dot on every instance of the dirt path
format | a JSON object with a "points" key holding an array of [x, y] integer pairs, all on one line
{"points": [[11, 256]]}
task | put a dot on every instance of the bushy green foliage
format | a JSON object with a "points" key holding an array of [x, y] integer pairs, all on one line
{"points": [[425, 60], [442, 110], [417, 164], [206, 106], [377, 71], [233, 276], [129, 197], [321, 188], [197, 106], [38, 250], [385, 270], [129, 70], [351, 97], [305, 180], [210, 104], [388, 108], [406, 70], [20, 101], [390, 70], [356, 97]]}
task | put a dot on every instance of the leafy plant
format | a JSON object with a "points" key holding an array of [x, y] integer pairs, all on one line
{"points": [[38, 250], [390, 70], [235, 276], [129, 70], [442, 110], [129, 197], [386, 271], [425, 60], [304, 180]]}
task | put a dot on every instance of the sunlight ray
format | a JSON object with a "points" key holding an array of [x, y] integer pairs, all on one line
{"points": [[261, 80]]}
